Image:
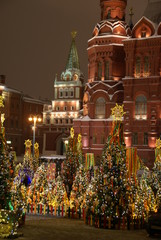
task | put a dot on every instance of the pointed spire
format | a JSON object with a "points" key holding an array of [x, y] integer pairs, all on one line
{"points": [[131, 15], [73, 61]]}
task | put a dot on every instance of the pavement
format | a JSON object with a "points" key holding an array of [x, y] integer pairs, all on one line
{"points": [[51, 228]]}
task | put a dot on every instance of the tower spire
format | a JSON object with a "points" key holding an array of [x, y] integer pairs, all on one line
{"points": [[130, 21], [73, 61]]}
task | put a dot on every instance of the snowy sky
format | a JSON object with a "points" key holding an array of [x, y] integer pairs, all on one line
{"points": [[35, 39]]}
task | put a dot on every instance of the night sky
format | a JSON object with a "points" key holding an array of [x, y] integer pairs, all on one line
{"points": [[35, 39]]}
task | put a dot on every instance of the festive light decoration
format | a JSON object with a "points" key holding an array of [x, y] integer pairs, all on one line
{"points": [[59, 197], [78, 188], [72, 132], [117, 112], [158, 143], [1, 102], [8, 217], [74, 158]]}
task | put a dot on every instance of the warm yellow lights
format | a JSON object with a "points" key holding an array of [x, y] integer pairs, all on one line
{"points": [[35, 119], [158, 143], [117, 112]]}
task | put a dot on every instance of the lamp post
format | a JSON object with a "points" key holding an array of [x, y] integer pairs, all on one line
{"points": [[34, 119]]}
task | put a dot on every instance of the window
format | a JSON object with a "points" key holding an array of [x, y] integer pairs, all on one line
{"points": [[100, 108], [107, 71], [146, 66], [60, 92], [72, 108], [138, 67], [61, 121], [143, 32], [94, 139], [66, 92], [48, 120], [56, 121], [65, 108], [99, 71], [145, 138], [141, 108], [135, 139], [57, 108], [71, 92], [66, 121]]}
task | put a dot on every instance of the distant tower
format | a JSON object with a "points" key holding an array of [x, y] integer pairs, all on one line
{"points": [[68, 95]]}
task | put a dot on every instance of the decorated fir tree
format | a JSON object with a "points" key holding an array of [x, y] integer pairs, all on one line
{"points": [[59, 197], [156, 173], [8, 217], [79, 188], [6, 175], [113, 194], [74, 158], [39, 191]]}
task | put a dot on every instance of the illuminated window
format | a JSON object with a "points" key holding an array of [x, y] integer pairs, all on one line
{"points": [[66, 92], [99, 71], [100, 109], [143, 32], [135, 139], [107, 71], [146, 66], [60, 92], [71, 92], [141, 108], [138, 67]]}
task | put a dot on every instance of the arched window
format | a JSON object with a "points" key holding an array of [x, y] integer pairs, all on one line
{"points": [[100, 109], [138, 67], [99, 71], [60, 92], [141, 108], [107, 70], [146, 66], [66, 92], [71, 92]]}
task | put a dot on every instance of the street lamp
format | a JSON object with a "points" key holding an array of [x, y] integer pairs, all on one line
{"points": [[34, 119]]}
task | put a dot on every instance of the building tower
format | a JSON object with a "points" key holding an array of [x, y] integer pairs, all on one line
{"points": [[106, 68], [68, 95], [124, 67]]}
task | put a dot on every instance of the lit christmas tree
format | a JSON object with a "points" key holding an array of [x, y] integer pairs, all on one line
{"points": [[156, 174], [8, 217], [145, 201], [74, 158], [113, 195], [79, 188], [59, 196], [39, 192]]}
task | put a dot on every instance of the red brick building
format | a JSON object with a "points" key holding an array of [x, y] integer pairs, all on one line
{"points": [[125, 68], [17, 109]]}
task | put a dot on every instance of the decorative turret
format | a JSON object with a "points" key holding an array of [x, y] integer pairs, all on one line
{"points": [[73, 61], [113, 9]]}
